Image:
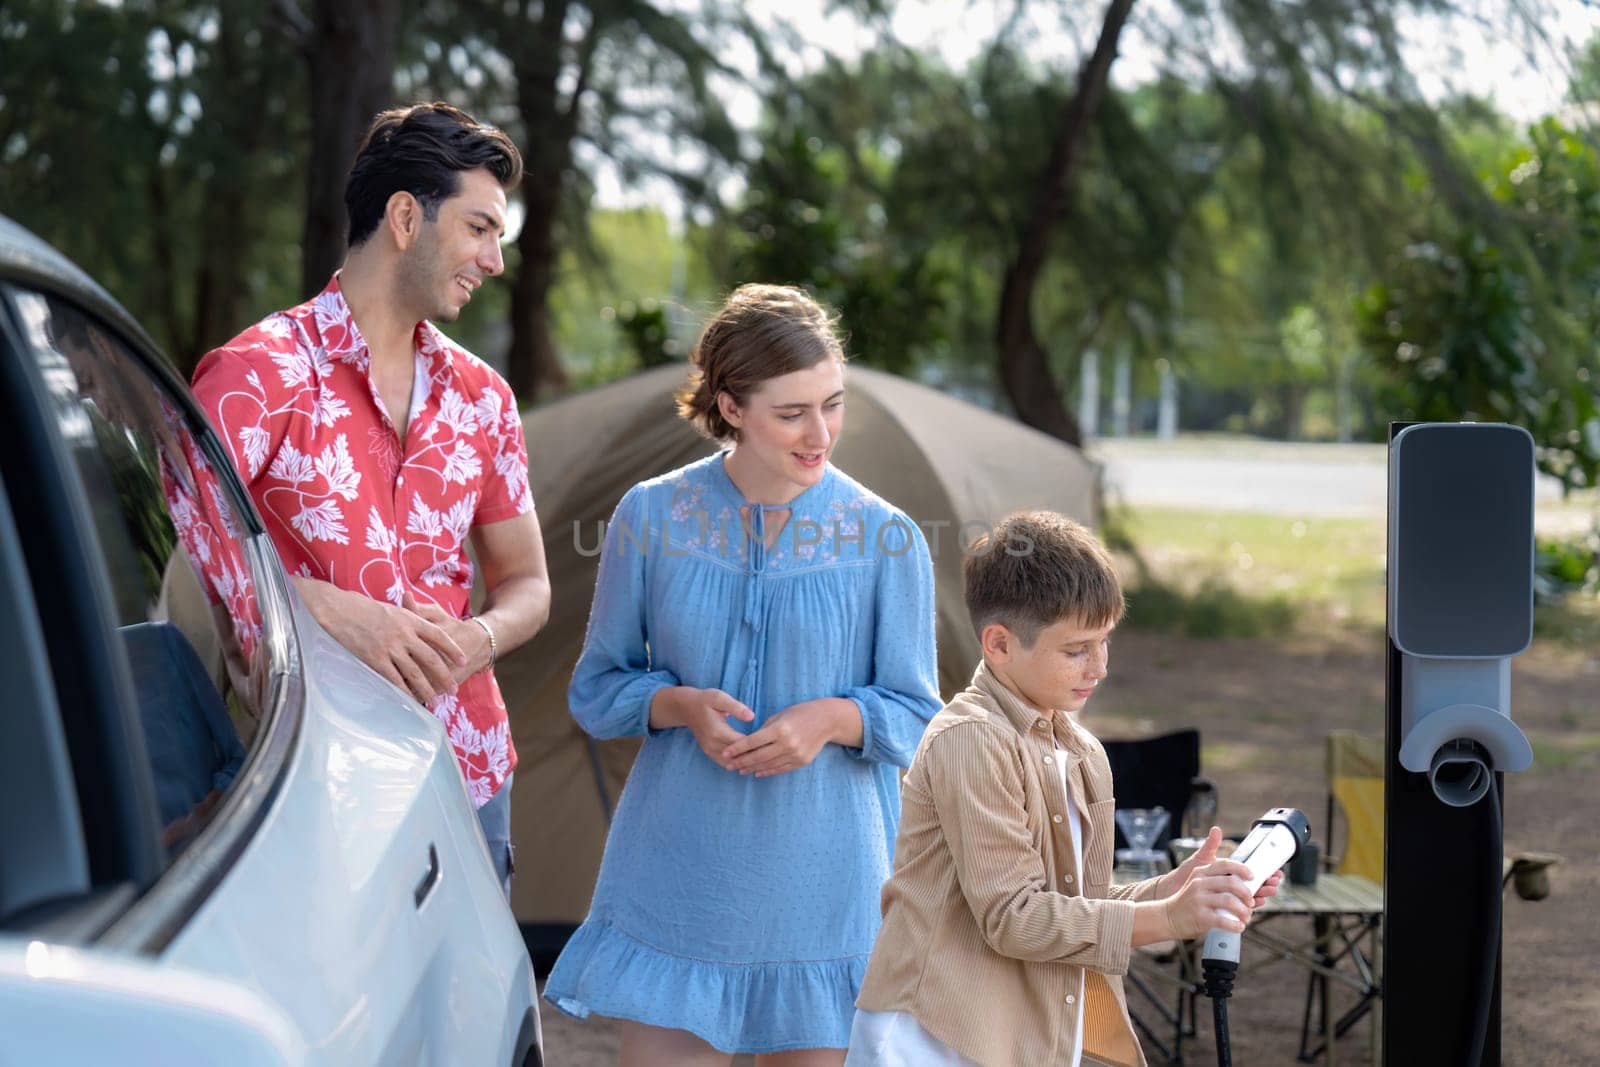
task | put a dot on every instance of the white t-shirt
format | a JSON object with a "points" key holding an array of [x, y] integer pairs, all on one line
{"points": [[1077, 862], [897, 1039]]}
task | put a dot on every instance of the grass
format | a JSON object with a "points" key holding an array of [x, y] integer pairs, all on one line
{"points": [[1242, 574], [1574, 620], [1237, 574], [1581, 750]]}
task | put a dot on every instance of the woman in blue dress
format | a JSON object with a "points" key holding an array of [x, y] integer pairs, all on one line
{"points": [[766, 623]]}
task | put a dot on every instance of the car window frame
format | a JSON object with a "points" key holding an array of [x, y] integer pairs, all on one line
{"points": [[159, 914]]}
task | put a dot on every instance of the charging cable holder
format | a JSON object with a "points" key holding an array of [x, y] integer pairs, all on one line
{"points": [[1456, 725]]}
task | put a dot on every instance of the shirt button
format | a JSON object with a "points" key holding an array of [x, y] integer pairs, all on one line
{"points": [[1066, 879], [1048, 760], [1055, 818], [1071, 999]]}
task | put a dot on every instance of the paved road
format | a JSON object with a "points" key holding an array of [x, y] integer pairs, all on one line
{"points": [[1262, 476]]}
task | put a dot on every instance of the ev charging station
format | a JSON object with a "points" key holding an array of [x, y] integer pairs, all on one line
{"points": [[1460, 589]]}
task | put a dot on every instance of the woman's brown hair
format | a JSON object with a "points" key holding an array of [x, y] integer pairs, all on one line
{"points": [[762, 332]]}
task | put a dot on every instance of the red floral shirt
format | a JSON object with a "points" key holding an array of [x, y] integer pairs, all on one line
{"points": [[293, 400]]}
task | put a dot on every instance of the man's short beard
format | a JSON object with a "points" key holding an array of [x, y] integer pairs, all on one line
{"points": [[419, 274]]}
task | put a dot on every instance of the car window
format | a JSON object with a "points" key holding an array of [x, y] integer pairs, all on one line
{"points": [[181, 582]]}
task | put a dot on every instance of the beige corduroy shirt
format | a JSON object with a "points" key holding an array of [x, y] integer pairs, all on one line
{"points": [[987, 924]]}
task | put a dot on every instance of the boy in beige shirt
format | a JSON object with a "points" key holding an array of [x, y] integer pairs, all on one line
{"points": [[1003, 940]]}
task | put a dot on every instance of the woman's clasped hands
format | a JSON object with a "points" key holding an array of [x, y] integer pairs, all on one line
{"points": [[786, 742]]}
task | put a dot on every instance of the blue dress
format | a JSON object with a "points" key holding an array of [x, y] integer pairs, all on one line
{"points": [[743, 909]]}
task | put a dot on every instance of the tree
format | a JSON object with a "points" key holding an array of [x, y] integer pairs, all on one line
{"points": [[805, 221], [146, 141], [1500, 322], [1023, 363], [349, 48], [622, 79]]}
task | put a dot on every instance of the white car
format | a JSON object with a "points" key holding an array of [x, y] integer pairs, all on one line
{"points": [[223, 840]]}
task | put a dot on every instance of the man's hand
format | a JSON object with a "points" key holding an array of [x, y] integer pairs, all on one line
{"points": [[790, 739], [468, 636], [401, 645], [704, 713]]}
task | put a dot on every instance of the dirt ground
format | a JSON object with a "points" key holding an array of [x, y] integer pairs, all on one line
{"points": [[1264, 709]]}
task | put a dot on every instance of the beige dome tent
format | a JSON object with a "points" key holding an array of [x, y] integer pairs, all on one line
{"points": [[947, 463]]}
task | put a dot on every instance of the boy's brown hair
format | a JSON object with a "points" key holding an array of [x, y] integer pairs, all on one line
{"points": [[1035, 569]]}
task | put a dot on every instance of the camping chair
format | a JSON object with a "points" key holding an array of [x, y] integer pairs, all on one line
{"points": [[1155, 772], [1147, 773], [1355, 788]]}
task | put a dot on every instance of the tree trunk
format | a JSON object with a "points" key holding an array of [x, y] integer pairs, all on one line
{"points": [[1024, 364], [220, 285], [532, 363], [351, 58]]}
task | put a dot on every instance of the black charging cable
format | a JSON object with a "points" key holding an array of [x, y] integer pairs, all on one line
{"points": [[1217, 977], [1491, 949]]}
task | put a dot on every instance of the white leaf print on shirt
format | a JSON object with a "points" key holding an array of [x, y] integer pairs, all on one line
{"points": [[336, 466], [182, 510], [323, 522], [488, 408], [496, 750], [423, 519], [456, 413], [255, 442], [380, 536], [329, 409], [278, 326], [458, 520], [461, 464], [511, 468], [442, 572], [202, 547], [291, 466], [293, 367], [224, 510]]}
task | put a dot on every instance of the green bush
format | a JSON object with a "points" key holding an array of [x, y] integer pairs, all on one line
{"points": [[1214, 609], [1562, 567]]}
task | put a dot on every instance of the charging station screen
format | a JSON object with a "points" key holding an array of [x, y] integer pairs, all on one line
{"points": [[1462, 543]]}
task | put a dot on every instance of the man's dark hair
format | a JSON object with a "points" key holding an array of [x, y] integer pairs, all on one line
{"points": [[422, 150]]}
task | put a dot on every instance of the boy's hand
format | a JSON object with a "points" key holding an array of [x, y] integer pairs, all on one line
{"points": [[1176, 879], [1217, 895], [1269, 888]]}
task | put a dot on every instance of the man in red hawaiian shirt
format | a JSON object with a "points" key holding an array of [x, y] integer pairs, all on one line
{"points": [[374, 446]]}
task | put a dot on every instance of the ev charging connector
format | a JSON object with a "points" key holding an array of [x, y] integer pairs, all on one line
{"points": [[1460, 599], [1272, 842]]}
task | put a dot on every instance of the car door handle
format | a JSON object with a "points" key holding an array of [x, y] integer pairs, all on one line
{"points": [[430, 879]]}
